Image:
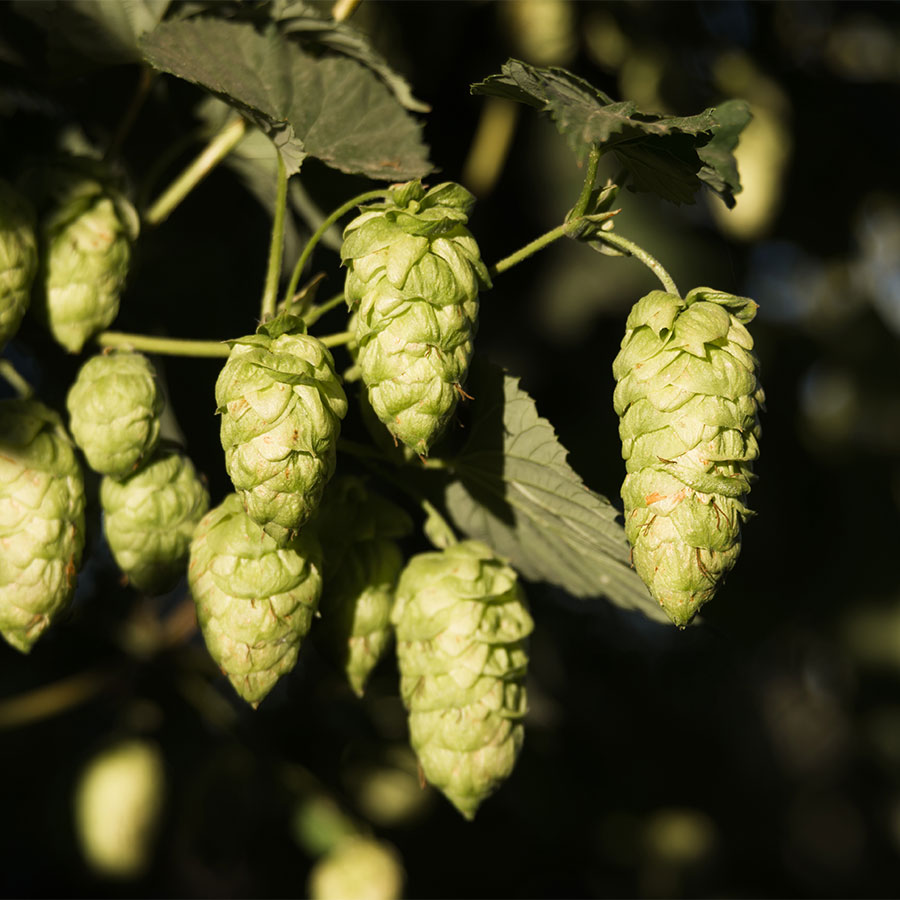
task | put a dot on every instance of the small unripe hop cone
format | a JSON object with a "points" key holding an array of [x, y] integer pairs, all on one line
{"points": [[255, 599], [413, 276], [281, 405], [688, 398], [41, 520], [462, 624], [18, 259]]}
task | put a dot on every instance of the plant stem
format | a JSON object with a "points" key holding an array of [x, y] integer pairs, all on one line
{"points": [[21, 386], [343, 9], [316, 312], [335, 340], [589, 178], [211, 155], [162, 345], [145, 81], [52, 699], [639, 253], [317, 235], [276, 248], [537, 244]]}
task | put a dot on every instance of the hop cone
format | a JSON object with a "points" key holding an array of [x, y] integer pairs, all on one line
{"points": [[413, 275], [18, 259], [688, 396], [86, 230], [41, 520], [358, 868], [118, 806], [255, 600], [114, 409], [281, 404], [150, 517], [362, 564], [462, 622]]}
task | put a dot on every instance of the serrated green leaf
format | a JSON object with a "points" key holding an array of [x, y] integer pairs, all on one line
{"points": [[516, 492], [329, 107], [102, 33], [663, 154]]}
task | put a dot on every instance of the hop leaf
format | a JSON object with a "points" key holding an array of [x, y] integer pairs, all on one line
{"points": [[150, 517], [362, 564], [413, 276], [462, 622], [18, 259], [41, 520], [688, 395], [358, 868], [281, 404], [255, 600], [114, 409], [118, 804], [86, 229]]}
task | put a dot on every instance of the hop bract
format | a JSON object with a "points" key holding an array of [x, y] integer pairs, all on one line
{"points": [[41, 520], [688, 397], [255, 600], [118, 805], [114, 409], [413, 276], [149, 519], [18, 259], [86, 228], [281, 404], [362, 562], [462, 622], [358, 868]]}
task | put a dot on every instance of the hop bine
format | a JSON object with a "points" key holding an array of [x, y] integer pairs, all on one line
{"points": [[413, 276], [41, 520], [281, 405], [462, 622], [688, 396]]}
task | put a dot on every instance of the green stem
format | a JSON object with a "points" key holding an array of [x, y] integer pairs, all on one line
{"points": [[589, 178], [537, 244], [145, 82], [639, 253], [335, 340], [21, 386], [211, 155], [343, 9], [276, 248], [316, 312], [163, 346], [317, 235]]}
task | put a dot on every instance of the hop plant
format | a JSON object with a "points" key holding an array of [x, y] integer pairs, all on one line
{"points": [[86, 229], [281, 404], [114, 408], [362, 562], [413, 276], [358, 868], [688, 396], [149, 519], [118, 805], [462, 622], [41, 520], [255, 599], [18, 259]]}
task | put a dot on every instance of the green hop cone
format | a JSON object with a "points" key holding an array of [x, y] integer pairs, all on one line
{"points": [[18, 259], [362, 562], [41, 520], [462, 622], [255, 600], [413, 276], [114, 409], [86, 229], [281, 404], [358, 868], [149, 519], [688, 395]]}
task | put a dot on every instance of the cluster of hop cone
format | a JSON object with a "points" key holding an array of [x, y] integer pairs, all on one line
{"points": [[292, 543]]}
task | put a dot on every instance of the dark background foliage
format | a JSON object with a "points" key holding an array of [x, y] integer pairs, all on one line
{"points": [[756, 754]]}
